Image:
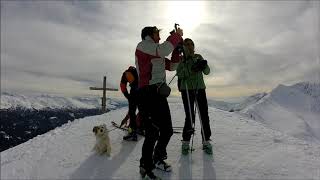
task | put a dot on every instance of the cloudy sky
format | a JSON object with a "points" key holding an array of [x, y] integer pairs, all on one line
{"points": [[64, 47]]}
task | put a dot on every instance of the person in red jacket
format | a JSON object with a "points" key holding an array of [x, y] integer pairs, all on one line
{"points": [[130, 76], [151, 64]]}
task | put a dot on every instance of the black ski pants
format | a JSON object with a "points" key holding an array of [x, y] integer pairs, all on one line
{"points": [[200, 96], [155, 112], [133, 108]]}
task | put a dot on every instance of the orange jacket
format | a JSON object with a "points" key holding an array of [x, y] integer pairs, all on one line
{"points": [[129, 76]]}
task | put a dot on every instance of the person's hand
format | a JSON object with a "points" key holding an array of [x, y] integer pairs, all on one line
{"points": [[180, 31], [127, 95], [179, 48], [203, 63], [199, 66]]}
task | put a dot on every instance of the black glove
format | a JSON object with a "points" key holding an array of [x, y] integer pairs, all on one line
{"points": [[127, 95], [179, 48], [199, 65], [203, 64]]}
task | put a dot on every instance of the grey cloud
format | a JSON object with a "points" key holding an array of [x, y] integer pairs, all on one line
{"points": [[267, 44], [85, 79], [45, 46], [248, 43], [77, 41]]}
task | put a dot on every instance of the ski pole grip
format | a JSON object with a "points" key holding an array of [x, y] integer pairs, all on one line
{"points": [[176, 26]]}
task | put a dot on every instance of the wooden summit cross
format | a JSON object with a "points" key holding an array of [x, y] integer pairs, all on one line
{"points": [[104, 89]]}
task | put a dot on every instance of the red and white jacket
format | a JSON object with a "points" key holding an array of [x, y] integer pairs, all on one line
{"points": [[151, 61]]}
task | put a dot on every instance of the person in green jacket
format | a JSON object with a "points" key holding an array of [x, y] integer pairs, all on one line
{"points": [[190, 82]]}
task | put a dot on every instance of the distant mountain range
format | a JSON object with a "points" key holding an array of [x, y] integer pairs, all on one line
{"points": [[294, 110], [236, 106], [37, 102], [24, 117]]}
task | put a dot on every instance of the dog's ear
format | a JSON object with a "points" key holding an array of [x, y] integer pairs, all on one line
{"points": [[95, 129]]}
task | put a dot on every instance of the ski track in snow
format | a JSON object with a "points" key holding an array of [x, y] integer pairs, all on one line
{"points": [[242, 147]]}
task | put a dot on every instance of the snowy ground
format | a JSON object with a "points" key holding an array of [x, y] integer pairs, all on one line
{"points": [[243, 149]]}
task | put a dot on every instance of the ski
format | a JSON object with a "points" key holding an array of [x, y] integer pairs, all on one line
{"points": [[138, 132], [124, 128]]}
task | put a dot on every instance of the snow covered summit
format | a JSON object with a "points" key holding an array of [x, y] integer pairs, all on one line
{"points": [[274, 136], [243, 149]]}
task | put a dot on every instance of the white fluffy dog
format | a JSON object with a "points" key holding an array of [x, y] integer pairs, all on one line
{"points": [[102, 145]]}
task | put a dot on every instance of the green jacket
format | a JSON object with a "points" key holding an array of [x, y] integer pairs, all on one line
{"points": [[185, 75]]}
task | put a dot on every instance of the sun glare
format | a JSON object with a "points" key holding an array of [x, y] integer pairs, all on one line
{"points": [[189, 14]]}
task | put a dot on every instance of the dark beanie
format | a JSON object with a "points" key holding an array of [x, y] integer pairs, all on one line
{"points": [[148, 31]]}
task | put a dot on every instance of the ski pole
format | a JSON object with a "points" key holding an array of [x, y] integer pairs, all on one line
{"points": [[112, 129], [192, 123], [194, 126], [172, 78]]}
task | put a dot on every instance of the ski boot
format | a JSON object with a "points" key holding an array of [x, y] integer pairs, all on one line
{"points": [[141, 131], [207, 147], [162, 165], [185, 147], [147, 175], [131, 136]]}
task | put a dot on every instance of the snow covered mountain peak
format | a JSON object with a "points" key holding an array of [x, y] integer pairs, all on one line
{"points": [[312, 89], [294, 110], [304, 96]]}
